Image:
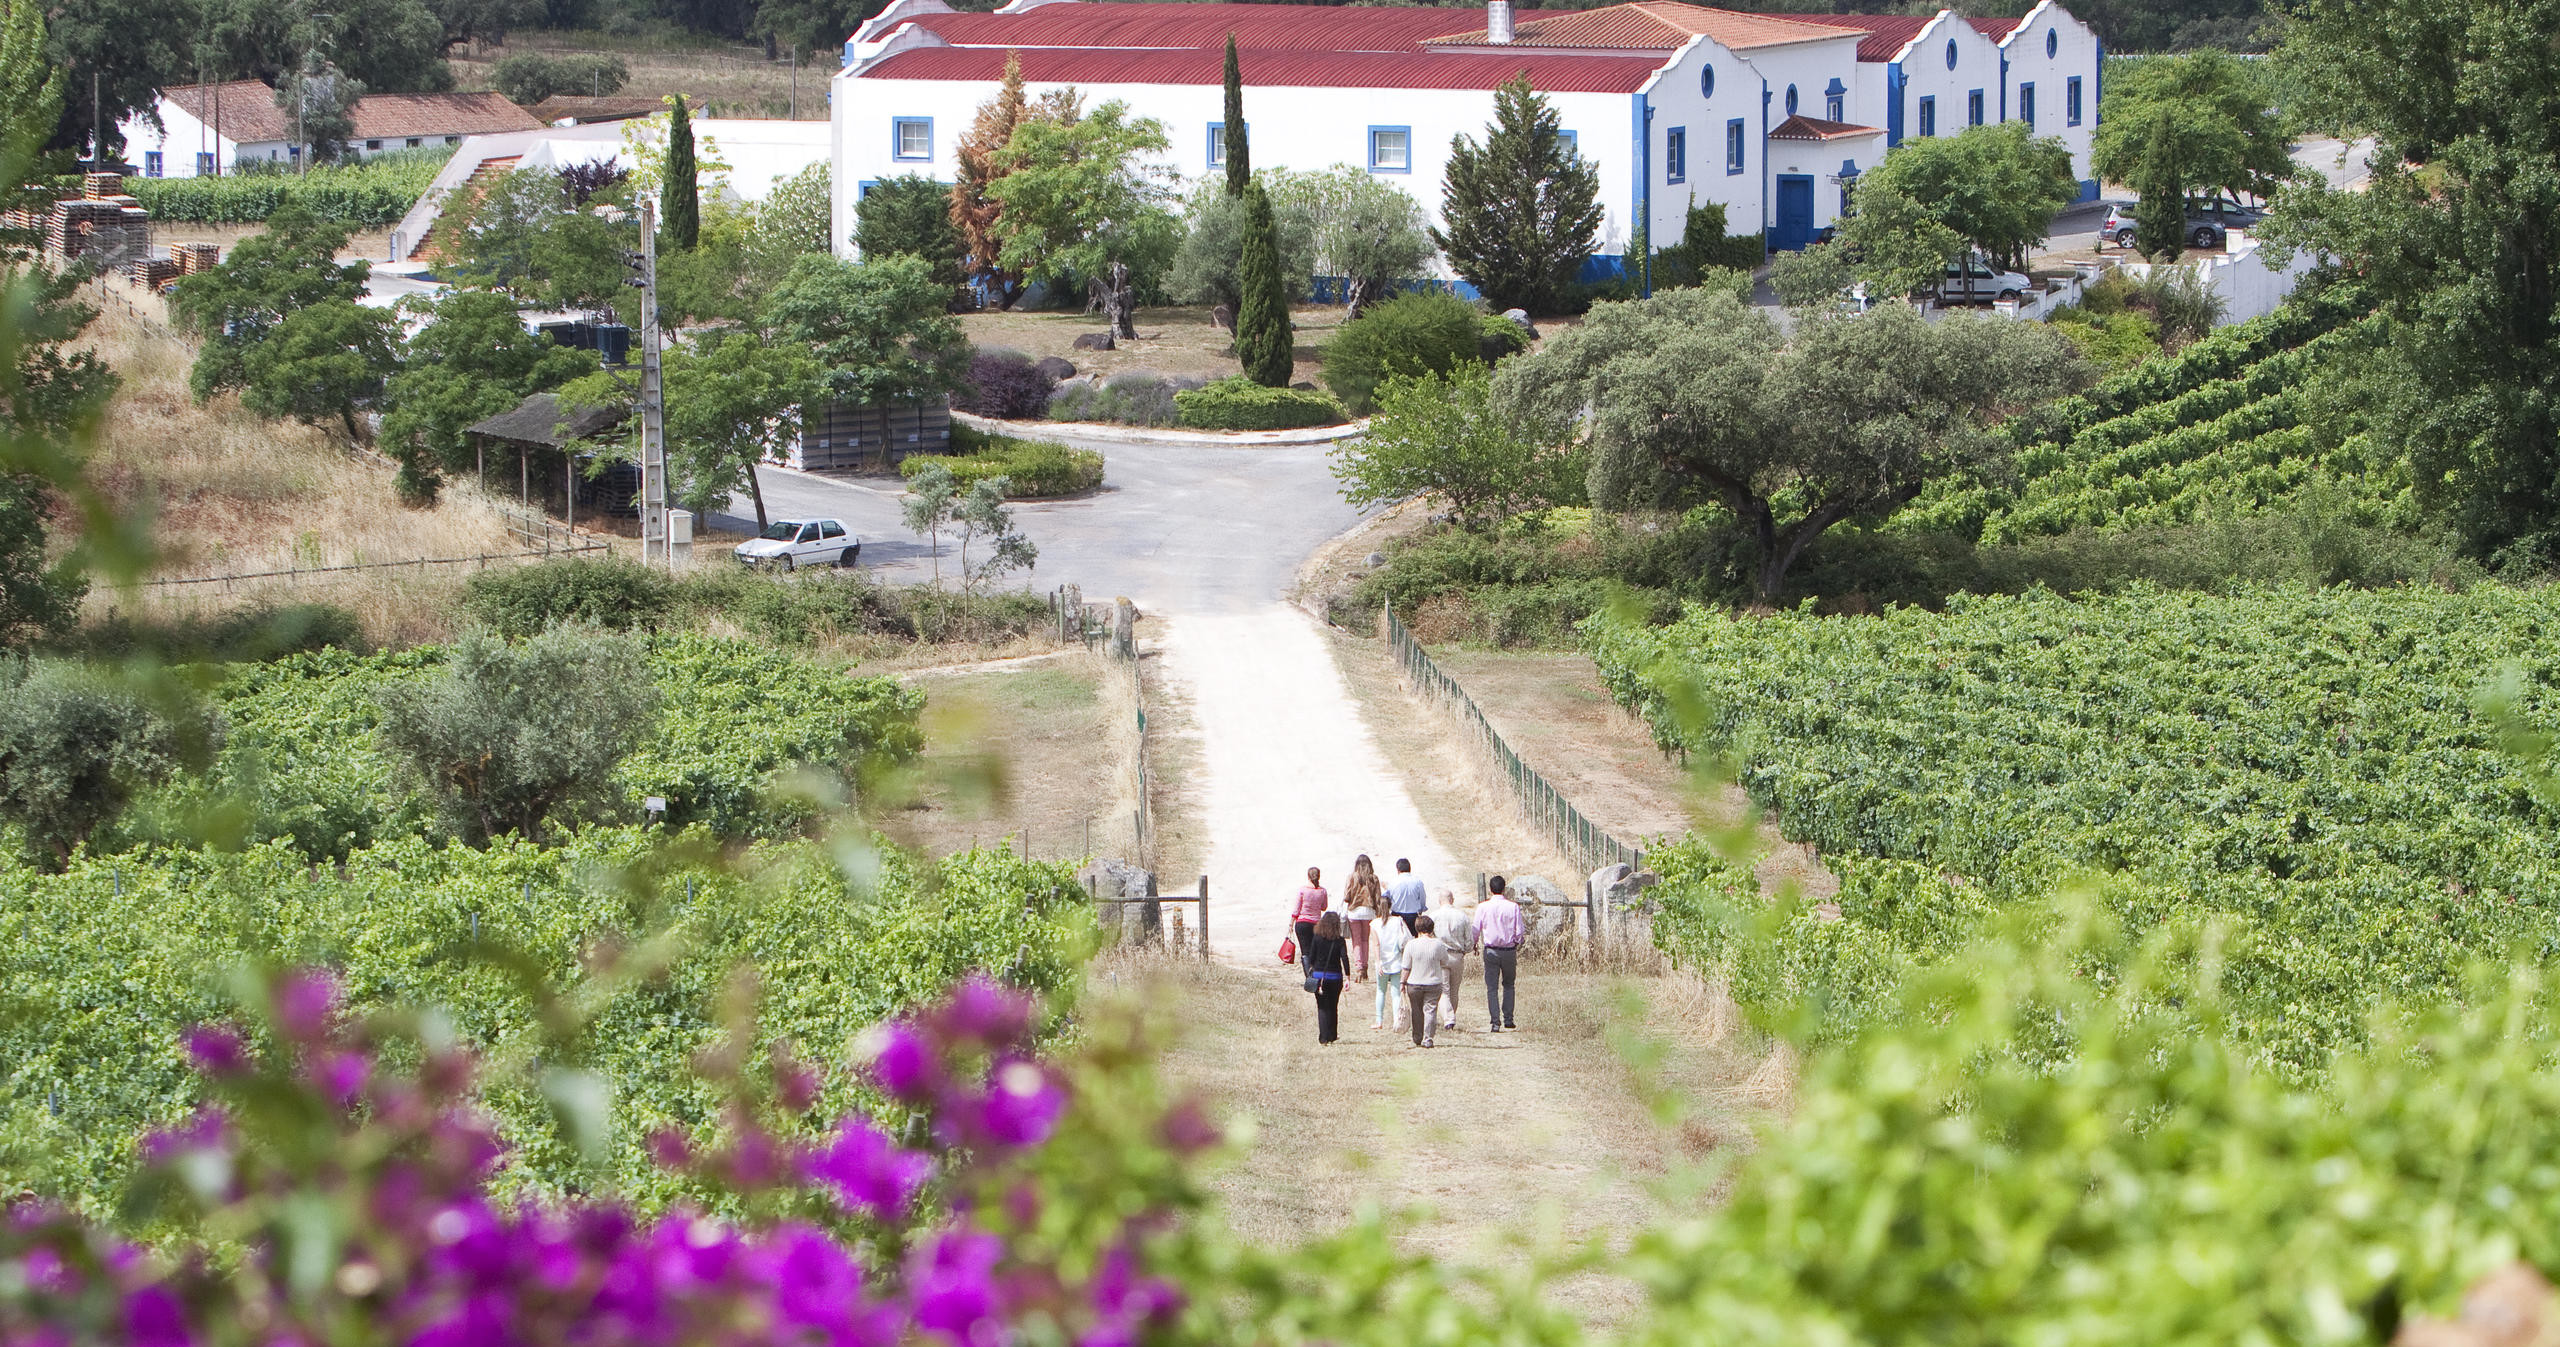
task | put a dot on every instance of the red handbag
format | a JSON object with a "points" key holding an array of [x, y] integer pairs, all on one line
{"points": [[1288, 949]]}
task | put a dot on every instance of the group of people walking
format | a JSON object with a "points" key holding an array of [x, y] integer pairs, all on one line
{"points": [[1420, 951]]}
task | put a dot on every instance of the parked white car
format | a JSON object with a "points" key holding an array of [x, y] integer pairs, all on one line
{"points": [[793, 543], [1971, 280]]}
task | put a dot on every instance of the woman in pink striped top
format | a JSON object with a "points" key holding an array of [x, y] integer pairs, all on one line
{"points": [[1312, 901]]}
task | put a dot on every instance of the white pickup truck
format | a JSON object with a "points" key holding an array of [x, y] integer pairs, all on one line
{"points": [[789, 544]]}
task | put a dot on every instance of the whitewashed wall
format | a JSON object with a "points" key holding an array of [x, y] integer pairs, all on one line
{"points": [[1925, 74], [1679, 99], [1810, 67], [2076, 53]]}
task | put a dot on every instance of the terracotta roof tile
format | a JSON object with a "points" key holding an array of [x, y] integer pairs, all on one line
{"points": [[1264, 68], [1886, 34], [1127, 26], [1654, 25], [1801, 127], [1998, 30], [248, 111], [249, 114]]}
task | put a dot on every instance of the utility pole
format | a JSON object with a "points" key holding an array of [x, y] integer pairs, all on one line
{"points": [[653, 412]]}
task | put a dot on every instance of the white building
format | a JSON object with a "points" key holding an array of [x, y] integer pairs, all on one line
{"points": [[1771, 115], [189, 130]]}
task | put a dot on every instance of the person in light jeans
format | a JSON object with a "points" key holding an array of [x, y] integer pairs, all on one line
{"points": [[1456, 925], [1499, 933], [1392, 939], [1425, 963]]}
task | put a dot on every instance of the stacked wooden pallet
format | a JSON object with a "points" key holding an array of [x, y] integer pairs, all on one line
{"points": [[848, 438]]}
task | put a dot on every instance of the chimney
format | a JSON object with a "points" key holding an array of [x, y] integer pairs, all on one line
{"points": [[1497, 21]]}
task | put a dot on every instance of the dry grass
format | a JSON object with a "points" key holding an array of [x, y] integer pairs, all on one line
{"points": [[731, 80], [1501, 1144], [368, 245], [1028, 751], [230, 492], [1170, 340], [1178, 842]]}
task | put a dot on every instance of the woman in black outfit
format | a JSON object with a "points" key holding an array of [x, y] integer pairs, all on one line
{"points": [[1328, 962]]}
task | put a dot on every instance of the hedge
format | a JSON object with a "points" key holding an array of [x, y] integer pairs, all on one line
{"points": [[1036, 469], [1238, 403], [367, 195]]}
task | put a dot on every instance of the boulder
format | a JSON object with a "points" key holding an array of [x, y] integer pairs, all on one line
{"points": [[1137, 923], [1623, 887], [1096, 341], [1055, 366], [1536, 896], [1521, 316], [1374, 560], [1302, 386]]}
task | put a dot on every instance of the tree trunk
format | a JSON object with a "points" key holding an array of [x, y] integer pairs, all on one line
{"points": [[1118, 302], [755, 488], [1356, 291], [347, 418]]}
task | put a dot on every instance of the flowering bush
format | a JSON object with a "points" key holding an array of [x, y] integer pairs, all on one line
{"points": [[336, 1195]]}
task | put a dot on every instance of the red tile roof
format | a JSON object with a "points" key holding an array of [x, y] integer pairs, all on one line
{"points": [[1998, 30], [1127, 26], [250, 115], [1886, 34], [1268, 68], [1814, 128], [1656, 25]]}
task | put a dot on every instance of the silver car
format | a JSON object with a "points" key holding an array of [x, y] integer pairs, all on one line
{"points": [[791, 544]]}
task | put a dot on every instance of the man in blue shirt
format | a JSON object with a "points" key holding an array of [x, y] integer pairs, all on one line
{"points": [[1405, 896]]}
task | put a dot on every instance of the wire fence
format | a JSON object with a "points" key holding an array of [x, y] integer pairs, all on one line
{"points": [[328, 574], [1545, 808]]}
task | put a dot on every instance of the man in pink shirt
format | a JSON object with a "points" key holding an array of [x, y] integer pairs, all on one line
{"points": [[1500, 932]]}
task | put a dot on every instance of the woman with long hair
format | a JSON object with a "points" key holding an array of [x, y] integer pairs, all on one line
{"points": [[1326, 961], [1312, 901], [1364, 900]]}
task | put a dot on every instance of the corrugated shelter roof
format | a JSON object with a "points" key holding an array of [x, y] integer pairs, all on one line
{"points": [[386, 116], [1886, 34], [1127, 26], [1801, 127], [537, 420], [1265, 68], [1654, 25]]}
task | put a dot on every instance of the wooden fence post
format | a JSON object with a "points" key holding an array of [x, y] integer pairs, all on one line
{"points": [[1204, 918]]}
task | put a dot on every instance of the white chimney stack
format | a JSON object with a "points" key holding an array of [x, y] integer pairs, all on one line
{"points": [[1497, 21]]}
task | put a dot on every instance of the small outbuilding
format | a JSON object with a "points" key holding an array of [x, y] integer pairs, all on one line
{"points": [[538, 435]]}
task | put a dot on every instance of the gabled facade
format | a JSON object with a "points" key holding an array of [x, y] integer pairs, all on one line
{"points": [[1770, 115]]}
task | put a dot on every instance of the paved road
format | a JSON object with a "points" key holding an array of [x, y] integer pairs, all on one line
{"points": [[1178, 529]]}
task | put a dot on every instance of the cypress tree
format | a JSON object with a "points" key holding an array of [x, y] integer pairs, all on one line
{"points": [[1239, 158], [683, 200], [1264, 343]]}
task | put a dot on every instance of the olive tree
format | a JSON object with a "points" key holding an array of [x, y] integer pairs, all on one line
{"points": [[1693, 396], [74, 747]]}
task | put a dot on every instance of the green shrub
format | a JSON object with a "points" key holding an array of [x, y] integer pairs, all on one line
{"points": [[1418, 332], [1499, 336], [509, 737], [368, 194], [243, 635], [1136, 398], [841, 606], [74, 748], [530, 77], [616, 594], [1036, 469], [1238, 403]]}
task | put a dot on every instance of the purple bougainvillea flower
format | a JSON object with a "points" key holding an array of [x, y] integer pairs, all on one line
{"points": [[795, 1083], [341, 1075], [215, 1050], [1187, 1128], [816, 1284], [669, 1149], [305, 998], [203, 1131], [904, 1065], [1022, 1104], [867, 1171], [984, 1012], [153, 1318], [952, 1289]]}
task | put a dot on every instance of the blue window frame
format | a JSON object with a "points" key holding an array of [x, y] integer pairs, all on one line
{"points": [[1929, 116], [2052, 40], [862, 189], [1218, 143], [1391, 149], [1831, 109], [204, 163], [1973, 108], [1706, 81], [2071, 101], [2027, 104], [1675, 154], [1733, 146], [151, 163], [1572, 142], [1951, 53], [911, 137], [1791, 100]]}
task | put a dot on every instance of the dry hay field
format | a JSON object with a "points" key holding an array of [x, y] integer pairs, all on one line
{"points": [[730, 79], [229, 493]]}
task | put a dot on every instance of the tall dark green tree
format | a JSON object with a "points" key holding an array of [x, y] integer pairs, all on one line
{"points": [[2458, 233], [683, 205], [1239, 155], [1264, 343], [1522, 210]]}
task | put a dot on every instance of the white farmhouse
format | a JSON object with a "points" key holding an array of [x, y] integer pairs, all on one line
{"points": [[1772, 115], [190, 130]]}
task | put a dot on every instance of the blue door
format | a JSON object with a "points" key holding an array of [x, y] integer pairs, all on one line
{"points": [[1795, 212]]}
